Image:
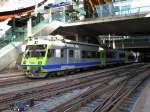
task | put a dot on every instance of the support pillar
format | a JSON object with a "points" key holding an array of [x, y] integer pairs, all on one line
{"points": [[64, 16], [36, 9], [122, 44], [114, 44], [14, 30], [77, 37], [103, 41], [110, 9], [29, 27], [50, 16], [109, 40]]}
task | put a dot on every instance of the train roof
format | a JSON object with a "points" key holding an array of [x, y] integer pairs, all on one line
{"points": [[56, 41]]}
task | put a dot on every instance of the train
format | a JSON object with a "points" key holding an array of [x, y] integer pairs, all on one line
{"points": [[47, 54]]}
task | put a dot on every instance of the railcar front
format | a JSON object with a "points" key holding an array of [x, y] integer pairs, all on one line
{"points": [[35, 56]]}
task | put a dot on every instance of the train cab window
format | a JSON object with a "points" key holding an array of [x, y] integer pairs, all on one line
{"points": [[32, 53], [36, 47], [71, 53], [122, 55], [27, 54], [41, 46], [42, 53], [51, 52]]}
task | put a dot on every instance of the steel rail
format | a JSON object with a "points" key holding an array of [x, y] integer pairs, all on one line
{"points": [[77, 102], [8, 100], [115, 101]]}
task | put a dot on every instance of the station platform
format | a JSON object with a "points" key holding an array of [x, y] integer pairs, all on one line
{"points": [[143, 102]]}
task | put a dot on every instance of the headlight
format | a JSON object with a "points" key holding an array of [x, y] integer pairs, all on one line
{"points": [[40, 62]]}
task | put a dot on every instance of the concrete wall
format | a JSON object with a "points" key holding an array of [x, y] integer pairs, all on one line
{"points": [[9, 55]]}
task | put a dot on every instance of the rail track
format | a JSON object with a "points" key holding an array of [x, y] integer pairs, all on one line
{"points": [[122, 98], [16, 78], [12, 78], [117, 91], [128, 104], [98, 80], [19, 78]]}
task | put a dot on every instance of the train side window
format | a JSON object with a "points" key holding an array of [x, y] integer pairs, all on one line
{"points": [[71, 53], [94, 54], [62, 53], [89, 54], [122, 55], [83, 54], [131, 57], [51, 52]]}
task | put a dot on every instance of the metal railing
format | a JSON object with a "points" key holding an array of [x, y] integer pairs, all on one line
{"points": [[125, 8], [20, 33], [131, 43], [116, 9], [112, 10]]}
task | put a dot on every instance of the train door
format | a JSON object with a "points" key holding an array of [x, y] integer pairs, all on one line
{"points": [[77, 55], [67, 55], [102, 56], [121, 57], [70, 55]]}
